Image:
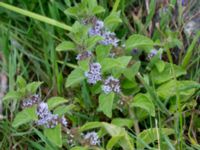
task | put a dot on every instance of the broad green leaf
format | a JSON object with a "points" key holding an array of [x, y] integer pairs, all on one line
{"points": [[21, 82], [140, 42], [169, 89], [150, 135], [143, 101], [12, 95], [102, 51], [166, 74], [79, 148], [66, 46], [123, 122], [98, 10], [25, 116], [113, 141], [106, 103], [55, 101], [123, 61], [75, 77], [90, 125], [110, 63], [114, 131], [112, 20], [61, 110], [54, 135], [92, 41], [84, 64], [32, 87], [160, 65], [130, 72]]}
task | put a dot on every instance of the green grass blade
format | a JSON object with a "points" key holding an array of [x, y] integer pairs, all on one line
{"points": [[35, 16], [188, 55]]}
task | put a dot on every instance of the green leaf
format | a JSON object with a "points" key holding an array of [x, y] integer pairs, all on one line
{"points": [[114, 140], [54, 135], [160, 65], [55, 101], [110, 63], [123, 122], [143, 101], [21, 82], [78, 148], [90, 125], [25, 116], [32, 87], [84, 64], [166, 74], [130, 72], [75, 77], [150, 135], [66, 46], [92, 41], [102, 51], [112, 20], [98, 10], [61, 110], [185, 89], [12, 95], [140, 42], [106, 103]]}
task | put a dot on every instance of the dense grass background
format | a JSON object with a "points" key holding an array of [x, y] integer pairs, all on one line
{"points": [[27, 48]]}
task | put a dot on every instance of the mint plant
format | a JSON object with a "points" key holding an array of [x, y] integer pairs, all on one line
{"points": [[122, 89]]}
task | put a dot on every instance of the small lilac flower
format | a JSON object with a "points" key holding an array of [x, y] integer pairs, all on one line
{"points": [[42, 110], [109, 38], [111, 85], [153, 53], [94, 73], [30, 101], [92, 138], [63, 121], [84, 55]]}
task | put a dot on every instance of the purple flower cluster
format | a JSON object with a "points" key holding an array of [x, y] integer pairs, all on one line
{"points": [[99, 29], [94, 73], [34, 99], [46, 118], [84, 55], [92, 138], [111, 85]]}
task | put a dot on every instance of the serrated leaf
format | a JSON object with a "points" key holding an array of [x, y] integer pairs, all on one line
{"points": [[55, 101], [54, 135], [25, 116], [106, 103], [66, 46], [143, 101], [140, 42], [75, 77]]}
